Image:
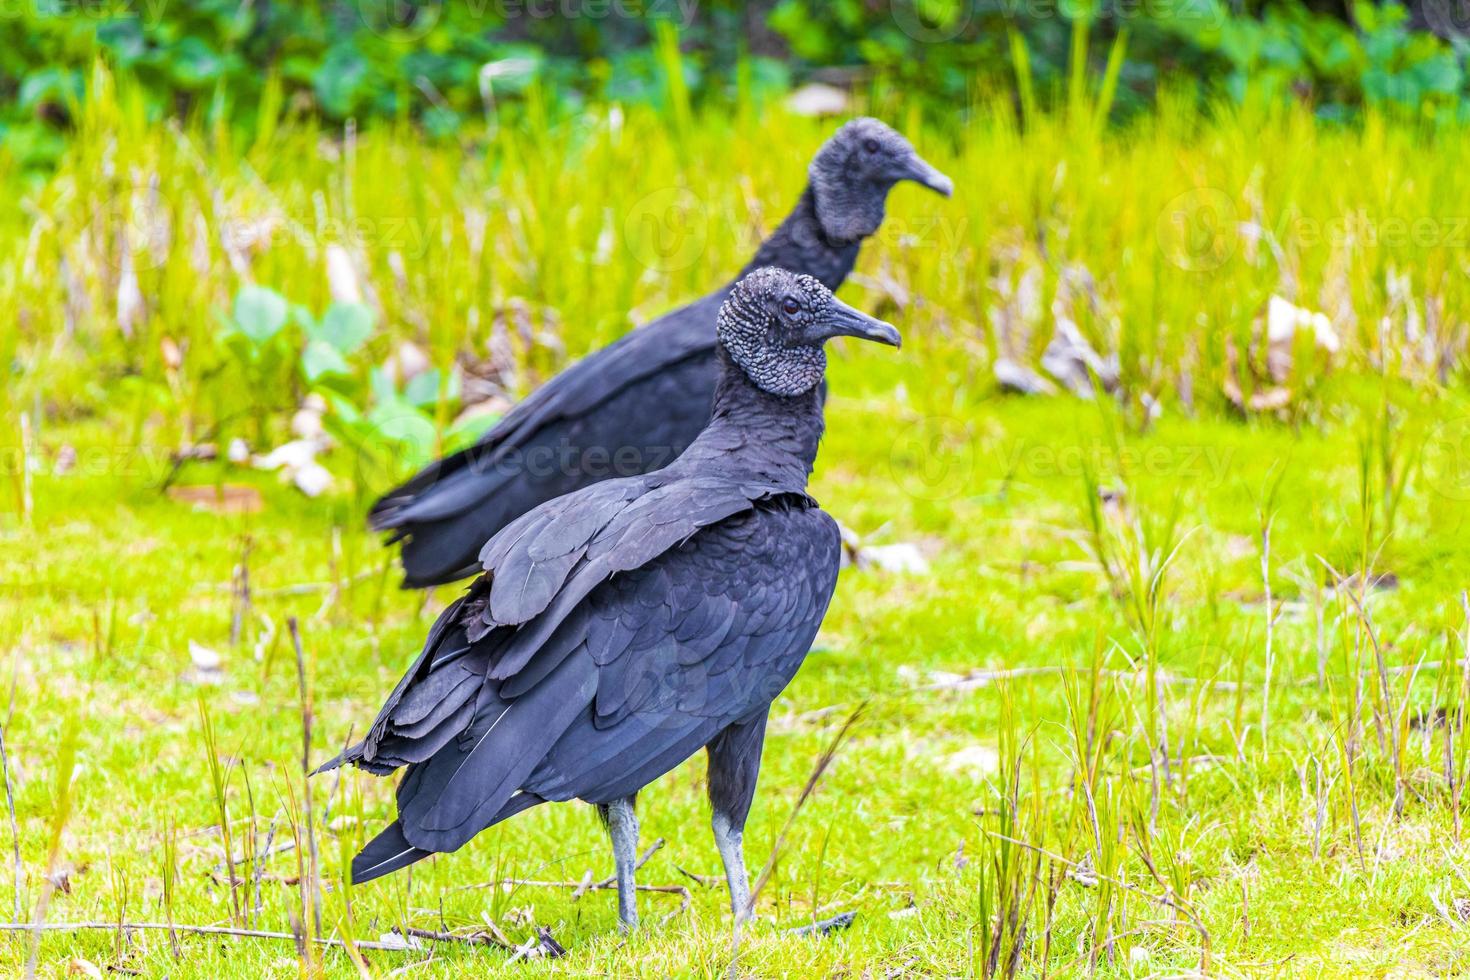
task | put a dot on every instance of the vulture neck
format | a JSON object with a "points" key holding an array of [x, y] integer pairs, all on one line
{"points": [[756, 436], [800, 245]]}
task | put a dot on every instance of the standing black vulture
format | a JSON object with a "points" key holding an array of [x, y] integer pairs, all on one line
{"points": [[619, 629], [633, 406]]}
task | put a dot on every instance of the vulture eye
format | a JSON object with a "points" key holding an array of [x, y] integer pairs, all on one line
{"points": [[870, 145], [790, 306]]}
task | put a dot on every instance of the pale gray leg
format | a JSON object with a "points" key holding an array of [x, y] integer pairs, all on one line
{"points": [[622, 827], [729, 840], [734, 766]]}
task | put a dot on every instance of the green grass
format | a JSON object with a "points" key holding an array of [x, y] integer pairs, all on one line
{"points": [[1257, 848]]}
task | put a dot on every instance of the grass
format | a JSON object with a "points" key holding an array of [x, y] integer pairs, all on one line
{"points": [[1179, 693]]}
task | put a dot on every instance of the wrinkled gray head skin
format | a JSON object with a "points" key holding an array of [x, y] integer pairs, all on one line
{"points": [[774, 323], [853, 172]]}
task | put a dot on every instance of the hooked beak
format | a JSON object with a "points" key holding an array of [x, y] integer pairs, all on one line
{"points": [[921, 171], [844, 321]]}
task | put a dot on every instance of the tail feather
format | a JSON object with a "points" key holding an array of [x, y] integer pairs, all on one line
{"points": [[390, 851], [384, 854], [351, 754]]}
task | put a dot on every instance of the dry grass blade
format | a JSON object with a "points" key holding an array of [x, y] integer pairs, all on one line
{"points": [[66, 756], [14, 828], [823, 761], [311, 890]]}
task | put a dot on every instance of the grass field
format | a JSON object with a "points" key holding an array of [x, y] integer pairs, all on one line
{"points": [[1177, 694]]}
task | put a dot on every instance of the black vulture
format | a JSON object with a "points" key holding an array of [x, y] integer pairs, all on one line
{"points": [[634, 405], [619, 629]]}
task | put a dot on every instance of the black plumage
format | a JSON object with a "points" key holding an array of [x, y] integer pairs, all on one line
{"points": [[633, 406], [619, 629]]}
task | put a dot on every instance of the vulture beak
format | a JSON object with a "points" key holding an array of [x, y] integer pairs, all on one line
{"points": [[921, 171], [844, 321]]}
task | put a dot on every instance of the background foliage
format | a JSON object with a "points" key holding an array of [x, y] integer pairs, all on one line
{"points": [[457, 65]]}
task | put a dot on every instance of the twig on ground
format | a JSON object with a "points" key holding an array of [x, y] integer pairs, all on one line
{"points": [[240, 588], [39, 927], [708, 881], [581, 887], [481, 938], [824, 927], [549, 945]]}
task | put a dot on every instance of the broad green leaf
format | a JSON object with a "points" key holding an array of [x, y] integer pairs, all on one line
{"points": [[422, 389], [384, 392], [404, 425], [467, 432], [346, 326], [321, 358], [260, 313]]}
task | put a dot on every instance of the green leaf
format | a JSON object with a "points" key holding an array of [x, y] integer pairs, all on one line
{"points": [[260, 313], [195, 64], [340, 80], [466, 432], [321, 358], [422, 389], [301, 314], [346, 326], [404, 425], [343, 409], [384, 391]]}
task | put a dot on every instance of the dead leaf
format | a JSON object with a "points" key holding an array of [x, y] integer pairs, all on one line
{"points": [[904, 557], [229, 498], [207, 665], [342, 276], [974, 760], [1016, 377], [173, 357], [78, 967], [817, 99]]}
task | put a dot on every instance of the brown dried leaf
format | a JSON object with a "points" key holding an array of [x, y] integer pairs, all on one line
{"points": [[229, 498], [78, 967]]}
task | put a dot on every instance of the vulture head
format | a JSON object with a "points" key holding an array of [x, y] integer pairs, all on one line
{"points": [[853, 172], [774, 323]]}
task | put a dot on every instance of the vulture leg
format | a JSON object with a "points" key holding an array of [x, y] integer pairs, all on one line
{"points": [[734, 764], [622, 827]]}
